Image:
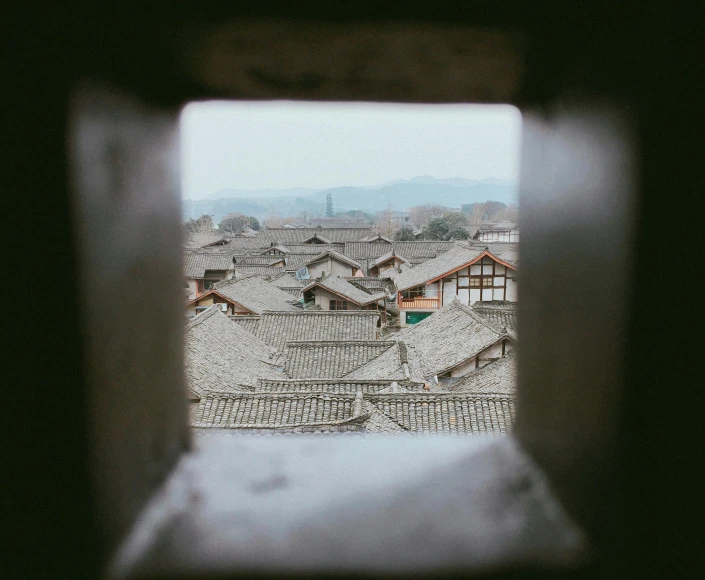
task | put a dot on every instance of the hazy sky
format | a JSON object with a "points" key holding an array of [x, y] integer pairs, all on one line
{"points": [[281, 144]]}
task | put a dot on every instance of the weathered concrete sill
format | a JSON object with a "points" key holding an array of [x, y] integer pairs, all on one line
{"points": [[243, 504]]}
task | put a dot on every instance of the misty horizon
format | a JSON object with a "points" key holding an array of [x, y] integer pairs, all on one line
{"points": [[253, 148]]}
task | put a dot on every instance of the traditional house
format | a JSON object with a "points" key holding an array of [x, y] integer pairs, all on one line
{"points": [[335, 293], [223, 356], [416, 252], [497, 232], [499, 376], [331, 262], [449, 344], [202, 269], [242, 296], [383, 263], [467, 272]]}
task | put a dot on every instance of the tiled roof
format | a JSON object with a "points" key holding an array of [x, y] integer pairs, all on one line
{"points": [[376, 238], [419, 249], [386, 257], [454, 258], [197, 262], [223, 356], [393, 364], [336, 256], [331, 359], [343, 385], [295, 261], [249, 323], [448, 337], [447, 413], [273, 410], [343, 288], [237, 244], [499, 376], [288, 236], [506, 251], [248, 269], [313, 249], [242, 260], [496, 227], [373, 284], [277, 328], [278, 247], [255, 294], [287, 283], [202, 239], [500, 314], [439, 413]]}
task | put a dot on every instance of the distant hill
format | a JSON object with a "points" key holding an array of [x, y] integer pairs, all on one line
{"points": [[409, 193], [400, 194]]}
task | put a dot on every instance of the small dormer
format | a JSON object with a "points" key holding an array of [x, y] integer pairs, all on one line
{"points": [[317, 239]]}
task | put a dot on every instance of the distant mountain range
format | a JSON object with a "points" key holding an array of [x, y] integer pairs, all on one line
{"points": [[400, 194]]}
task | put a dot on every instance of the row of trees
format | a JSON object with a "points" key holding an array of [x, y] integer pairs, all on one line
{"points": [[233, 223], [441, 223], [450, 225]]}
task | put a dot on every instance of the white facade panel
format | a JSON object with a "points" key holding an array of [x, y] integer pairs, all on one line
{"points": [[498, 294], [475, 270], [511, 291], [474, 295], [448, 291], [463, 369], [464, 295], [433, 289]]}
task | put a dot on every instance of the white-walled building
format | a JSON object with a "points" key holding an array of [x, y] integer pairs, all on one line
{"points": [[497, 232], [203, 269], [469, 272]]}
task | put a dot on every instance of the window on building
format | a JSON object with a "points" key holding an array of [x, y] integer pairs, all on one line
{"points": [[338, 304], [417, 292], [208, 284]]}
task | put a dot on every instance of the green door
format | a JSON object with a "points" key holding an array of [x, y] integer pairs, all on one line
{"points": [[414, 317]]}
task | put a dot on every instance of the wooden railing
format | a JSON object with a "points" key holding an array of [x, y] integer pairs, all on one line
{"points": [[419, 303]]}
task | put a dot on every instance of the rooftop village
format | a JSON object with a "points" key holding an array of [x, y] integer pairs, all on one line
{"points": [[342, 330]]}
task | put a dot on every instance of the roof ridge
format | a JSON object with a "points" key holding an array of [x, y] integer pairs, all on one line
{"points": [[388, 343], [321, 313], [201, 316]]}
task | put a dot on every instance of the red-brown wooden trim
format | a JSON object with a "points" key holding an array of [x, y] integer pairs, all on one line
{"points": [[468, 264], [216, 293]]}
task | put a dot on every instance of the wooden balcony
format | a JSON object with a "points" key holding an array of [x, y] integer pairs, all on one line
{"points": [[433, 303]]}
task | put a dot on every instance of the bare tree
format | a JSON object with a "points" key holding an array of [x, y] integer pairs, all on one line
{"points": [[420, 215], [385, 222], [476, 217], [200, 231]]}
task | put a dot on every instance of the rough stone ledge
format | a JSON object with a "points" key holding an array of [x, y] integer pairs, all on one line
{"points": [[365, 504]]}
